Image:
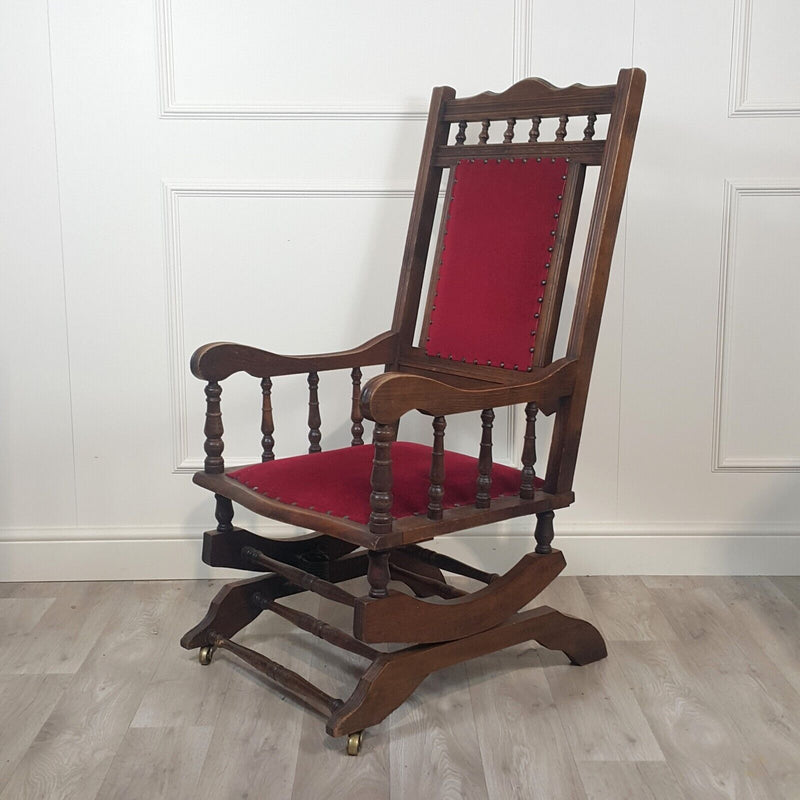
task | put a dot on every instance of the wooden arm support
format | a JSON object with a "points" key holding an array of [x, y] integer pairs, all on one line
{"points": [[387, 397], [219, 360]]}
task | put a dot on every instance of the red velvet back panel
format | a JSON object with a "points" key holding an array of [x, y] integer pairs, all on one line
{"points": [[499, 238]]}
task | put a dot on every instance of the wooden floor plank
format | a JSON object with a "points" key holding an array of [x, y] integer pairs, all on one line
{"points": [[698, 700], [19, 616], [181, 693], [600, 715], [741, 682], [704, 750], [789, 586], [634, 780], [321, 761], [625, 610], [65, 633], [257, 732], [523, 746], [26, 701], [157, 763], [768, 617], [72, 752], [670, 581], [435, 751], [37, 589]]}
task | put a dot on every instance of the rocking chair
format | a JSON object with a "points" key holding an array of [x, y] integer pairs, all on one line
{"points": [[488, 337]]}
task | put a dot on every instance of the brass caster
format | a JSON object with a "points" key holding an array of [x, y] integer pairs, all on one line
{"points": [[205, 655], [354, 743]]}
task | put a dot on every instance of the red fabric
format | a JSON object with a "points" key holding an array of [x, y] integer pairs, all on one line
{"points": [[338, 481], [499, 235]]}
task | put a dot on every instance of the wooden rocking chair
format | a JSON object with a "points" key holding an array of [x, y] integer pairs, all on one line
{"points": [[489, 331]]}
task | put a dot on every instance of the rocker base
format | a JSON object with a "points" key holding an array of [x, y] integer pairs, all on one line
{"points": [[392, 677]]}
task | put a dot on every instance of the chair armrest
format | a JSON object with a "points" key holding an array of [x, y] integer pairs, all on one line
{"points": [[219, 360], [387, 397]]}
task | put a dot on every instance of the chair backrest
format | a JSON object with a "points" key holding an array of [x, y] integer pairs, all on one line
{"points": [[504, 245]]}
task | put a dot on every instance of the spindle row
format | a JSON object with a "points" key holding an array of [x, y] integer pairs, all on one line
{"points": [[534, 133], [214, 462]]}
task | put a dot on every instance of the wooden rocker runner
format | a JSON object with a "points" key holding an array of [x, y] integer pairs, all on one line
{"points": [[489, 330]]}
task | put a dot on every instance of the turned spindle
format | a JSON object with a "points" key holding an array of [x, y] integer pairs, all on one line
{"points": [[588, 131], [483, 136], [483, 497], [533, 136], [378, 573], [357, 428], [461, 136], [526, 490], [224, 513], [436, 489], [380, 499], [561, 131], [314, 420], [544, 532], [214, 463], [508, 136], [267, 424]]}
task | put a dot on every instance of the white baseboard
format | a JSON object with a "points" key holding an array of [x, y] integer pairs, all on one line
{"points": [[606, 548]]}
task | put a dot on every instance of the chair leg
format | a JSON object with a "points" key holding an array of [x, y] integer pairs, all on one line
{"points": [[544, 532]]}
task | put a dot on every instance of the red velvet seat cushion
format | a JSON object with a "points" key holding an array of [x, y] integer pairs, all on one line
{"points": [[338, 481], [500, 228]]}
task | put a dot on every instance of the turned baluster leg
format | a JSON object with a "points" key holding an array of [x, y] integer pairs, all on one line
{"points": [[214, 463], [357, 429], [267, 425], [380, 499], [224, 513], [378, 573], [483, 498], [526, 490], [314, 419], [436, 488], [544, 532]]}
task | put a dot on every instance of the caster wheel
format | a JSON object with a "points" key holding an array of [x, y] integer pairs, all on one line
{"points": [[354, 743], [205, 655]]}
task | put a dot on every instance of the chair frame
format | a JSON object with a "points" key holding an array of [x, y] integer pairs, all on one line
{"points": [[464, 625]]}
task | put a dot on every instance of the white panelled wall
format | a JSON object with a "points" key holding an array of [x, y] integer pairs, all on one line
{"points": [[182, 171]]}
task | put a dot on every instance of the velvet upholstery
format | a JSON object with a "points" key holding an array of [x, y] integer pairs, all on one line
{"points": [[338, 481], [500, 229]]}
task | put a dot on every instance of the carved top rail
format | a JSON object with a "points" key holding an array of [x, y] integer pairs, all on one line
{"points": [[531, 97]]}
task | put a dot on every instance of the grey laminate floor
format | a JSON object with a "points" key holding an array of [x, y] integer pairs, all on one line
{"points": [[699, 698]]}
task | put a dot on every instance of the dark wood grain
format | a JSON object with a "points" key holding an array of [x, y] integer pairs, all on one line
{"points": [[214, 463], [299, 577], [356, 418], [526, 489], [287, 679], [400, 618], [267, 424], [387, 397], [579, 151], [482, 495], [314, 418], [220, 360], [436, 488], [380, 499], [393, 677]]}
